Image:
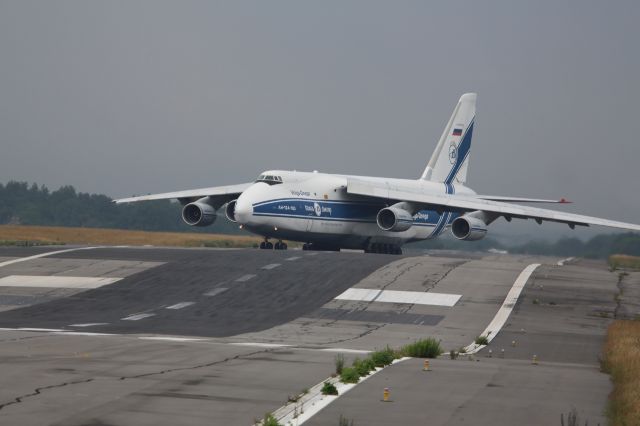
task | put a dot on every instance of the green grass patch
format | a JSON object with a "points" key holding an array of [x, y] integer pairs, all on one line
{"points": [[423, 348], [383, 357], [339, 362], [270, 420], [349, 375], [364, 366], [329, 388], [482, 340]]}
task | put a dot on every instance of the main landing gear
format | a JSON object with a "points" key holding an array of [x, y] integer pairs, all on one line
{"points": [[383, 249], [266, 245]]}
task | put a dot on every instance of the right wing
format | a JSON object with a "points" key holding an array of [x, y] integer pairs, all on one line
{"points": [[468, 203], [219, 194]]}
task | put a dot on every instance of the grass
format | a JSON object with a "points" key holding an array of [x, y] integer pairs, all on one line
{"points": [[423, 348], [343, 421], [329, 388], [18, 235], [482, 340], [623, 261], [621, 359], [383, 357], [339, 362], [349, 375], [270, 420]]}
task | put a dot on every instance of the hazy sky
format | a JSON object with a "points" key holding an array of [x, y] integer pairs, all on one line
{"points": [[131, 97]]}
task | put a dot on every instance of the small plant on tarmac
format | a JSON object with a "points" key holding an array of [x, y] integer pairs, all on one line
{"points": [[482, 340], [384, 357], [349, 375], [270, 420], [364, 366], [343, 421], [329, 388], [423, 348], [339, 362]]}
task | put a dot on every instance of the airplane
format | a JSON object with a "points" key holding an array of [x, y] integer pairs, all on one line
{"points": [[375, 214]]}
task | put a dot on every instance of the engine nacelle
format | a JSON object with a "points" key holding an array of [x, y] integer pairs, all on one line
{"points": [[394, 219], [230, 211], [199, 214], [468, 228]]}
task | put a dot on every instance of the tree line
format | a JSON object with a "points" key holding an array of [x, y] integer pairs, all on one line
{"points": [[24, 204]]}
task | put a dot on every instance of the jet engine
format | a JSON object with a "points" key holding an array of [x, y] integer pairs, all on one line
{"points": [[230, 211], [394, 219], [199, 213], [468, 228]]}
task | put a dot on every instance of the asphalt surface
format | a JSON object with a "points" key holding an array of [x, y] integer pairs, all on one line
{"points": [[224, 336], [246, 296]]}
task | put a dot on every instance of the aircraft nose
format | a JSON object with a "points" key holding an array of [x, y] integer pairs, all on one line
{"points": [[244, 210]]}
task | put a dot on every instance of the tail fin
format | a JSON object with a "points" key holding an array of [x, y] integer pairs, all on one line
{"points": [[450, 160]]}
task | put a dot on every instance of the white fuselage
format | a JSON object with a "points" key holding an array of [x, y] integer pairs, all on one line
{"points": [[316, 208]]}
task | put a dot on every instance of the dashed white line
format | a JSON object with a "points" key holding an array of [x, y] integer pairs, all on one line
{"points": [[261, 345], [563, 261], [180, 305], [37, 256], [293, 258], [215, 291], [137, 317], [245, 278], [171, 339], [89, 324], [271, 266]]}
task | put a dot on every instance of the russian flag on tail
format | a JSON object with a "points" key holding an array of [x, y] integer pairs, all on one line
{"points": [[457, 132]]}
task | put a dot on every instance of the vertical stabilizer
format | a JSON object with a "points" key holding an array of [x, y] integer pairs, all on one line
{"points": [[450, 160]]}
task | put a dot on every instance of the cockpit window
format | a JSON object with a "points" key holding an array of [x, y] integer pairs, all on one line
{"points": [[269, 179]]}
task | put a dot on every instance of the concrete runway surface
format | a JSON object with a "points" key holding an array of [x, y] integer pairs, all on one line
{"points": [[155, 336]]}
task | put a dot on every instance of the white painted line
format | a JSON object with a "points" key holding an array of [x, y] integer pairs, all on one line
{"points": [[505, 310], [81, 333], [245, 278], [563, 261], [345, 350], [215, 291], [261, 345], [271, 266], [180, 305], [137, 317], [171, 339], [36, 329], [38, 256], [396, 296], [89, 324], [293, 258], [314, 401], [49, 281], [312, 254]]}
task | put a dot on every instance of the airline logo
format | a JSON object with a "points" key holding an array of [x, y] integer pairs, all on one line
{"points": [[457, 132]]}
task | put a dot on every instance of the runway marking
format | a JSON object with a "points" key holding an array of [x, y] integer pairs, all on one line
{"points": [[137, 317], [89, 324], [55, 281], [396, 296], [261, 345], [245, 278], [293, 258], [563, 261], [312, 254], [38, 256], [314, 401], [345, 350], [31, 329], [172, 339], [503, 313], [215, 291], [180, 305], [271, 266], [81, 333]]}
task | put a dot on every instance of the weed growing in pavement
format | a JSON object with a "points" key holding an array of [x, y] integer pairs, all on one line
{"points": [[343, 421], [349, 375], [482, 340], [423, 348], [329, 388], [339, 362]]}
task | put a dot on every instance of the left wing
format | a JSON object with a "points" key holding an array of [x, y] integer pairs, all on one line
{"points": [[219, 194], [467, 203]]}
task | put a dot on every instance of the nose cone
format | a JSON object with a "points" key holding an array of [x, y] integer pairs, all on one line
{"points": [[244, 209]]}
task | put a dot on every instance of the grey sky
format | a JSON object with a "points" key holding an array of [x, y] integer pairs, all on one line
{"points": [[130, 97]]}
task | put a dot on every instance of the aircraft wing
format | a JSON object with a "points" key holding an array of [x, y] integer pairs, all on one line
{"points": [[221, 194], [521, 200], [466, 203]]}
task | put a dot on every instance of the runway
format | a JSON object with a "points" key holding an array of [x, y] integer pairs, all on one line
{"points": [[203, 336]]}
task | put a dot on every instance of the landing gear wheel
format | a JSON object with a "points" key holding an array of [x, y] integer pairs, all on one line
{"points": [[305, 246], [268, 246], [283, 246], [263, 245], [278, 246]]}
